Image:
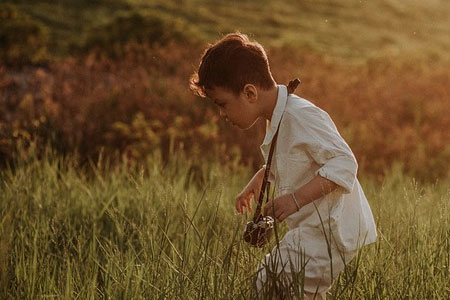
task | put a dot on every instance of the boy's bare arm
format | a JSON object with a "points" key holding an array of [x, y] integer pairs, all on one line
{"points": [[285, 205], [251, 190], [315, 189]]}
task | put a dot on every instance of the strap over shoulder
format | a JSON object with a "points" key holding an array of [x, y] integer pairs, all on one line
{"points": [[293, 84]]}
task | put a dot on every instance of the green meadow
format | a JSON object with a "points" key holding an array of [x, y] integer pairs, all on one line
{"points": [[116, 208], [357, 29], [158, 232]]}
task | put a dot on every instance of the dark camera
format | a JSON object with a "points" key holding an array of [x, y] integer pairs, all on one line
{"points": [[258, 234]]}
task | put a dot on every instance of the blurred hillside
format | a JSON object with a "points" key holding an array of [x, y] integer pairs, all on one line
{"points": [[339, 28], [109, 78]]}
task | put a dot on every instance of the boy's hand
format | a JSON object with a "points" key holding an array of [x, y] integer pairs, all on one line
{"points": [[284, 206], [244, 199], [281, 207]]}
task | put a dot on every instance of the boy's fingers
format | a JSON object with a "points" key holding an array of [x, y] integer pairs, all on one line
{"points": [[249, 204], [281, 217], [241, 209], [244, 200], [239, 204], [255, 194]]}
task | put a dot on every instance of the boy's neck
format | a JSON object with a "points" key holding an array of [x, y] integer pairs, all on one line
{"points": [[268, 100]]}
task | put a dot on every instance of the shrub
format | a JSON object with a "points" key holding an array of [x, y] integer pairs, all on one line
{"points": [[22, 39], [134, 27], [388, 112]]}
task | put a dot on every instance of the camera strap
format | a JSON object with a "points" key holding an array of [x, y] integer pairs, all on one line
{"points": [[265, 187]]}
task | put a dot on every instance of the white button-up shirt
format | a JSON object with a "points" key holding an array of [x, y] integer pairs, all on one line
{"points": [[309, 144]]}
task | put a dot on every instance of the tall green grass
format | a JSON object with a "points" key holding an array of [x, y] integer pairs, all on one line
{"points": [[169, 231]]}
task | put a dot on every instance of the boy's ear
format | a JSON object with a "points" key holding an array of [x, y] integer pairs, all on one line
{"points": [[250, 92]]}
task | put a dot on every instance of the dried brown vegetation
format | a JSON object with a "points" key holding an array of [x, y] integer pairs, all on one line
{"points": [[388, 111]]}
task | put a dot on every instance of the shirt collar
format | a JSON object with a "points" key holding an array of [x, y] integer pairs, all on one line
{"points": [[277, 114]]}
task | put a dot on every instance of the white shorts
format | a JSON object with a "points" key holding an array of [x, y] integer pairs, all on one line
{"points": [[301, 264]]}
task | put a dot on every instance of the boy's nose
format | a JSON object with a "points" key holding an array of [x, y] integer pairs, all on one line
{"points": [[222, 113]]}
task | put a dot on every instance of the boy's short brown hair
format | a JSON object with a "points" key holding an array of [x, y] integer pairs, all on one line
{"points": [[231, 63]]}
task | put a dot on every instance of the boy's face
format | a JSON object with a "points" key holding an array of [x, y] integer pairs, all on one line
{"points": [[240, 110]]}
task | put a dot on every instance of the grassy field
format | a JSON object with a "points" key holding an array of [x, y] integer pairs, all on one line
{"points": [[338, 28], [70, 230], [170, 232]]}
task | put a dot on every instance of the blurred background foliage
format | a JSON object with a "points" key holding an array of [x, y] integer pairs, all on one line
{"points": [[135, 27], [23, 39], [110, 77]]}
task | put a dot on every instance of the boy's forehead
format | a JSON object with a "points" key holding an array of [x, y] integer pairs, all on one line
{"points": [[215, 92], [212, 92]]}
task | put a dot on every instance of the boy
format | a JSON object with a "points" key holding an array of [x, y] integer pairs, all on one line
{"points": [[313, 168]]}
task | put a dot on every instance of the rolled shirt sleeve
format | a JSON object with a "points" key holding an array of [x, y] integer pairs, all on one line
{"points": [[316, 134], [341, 170]]}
